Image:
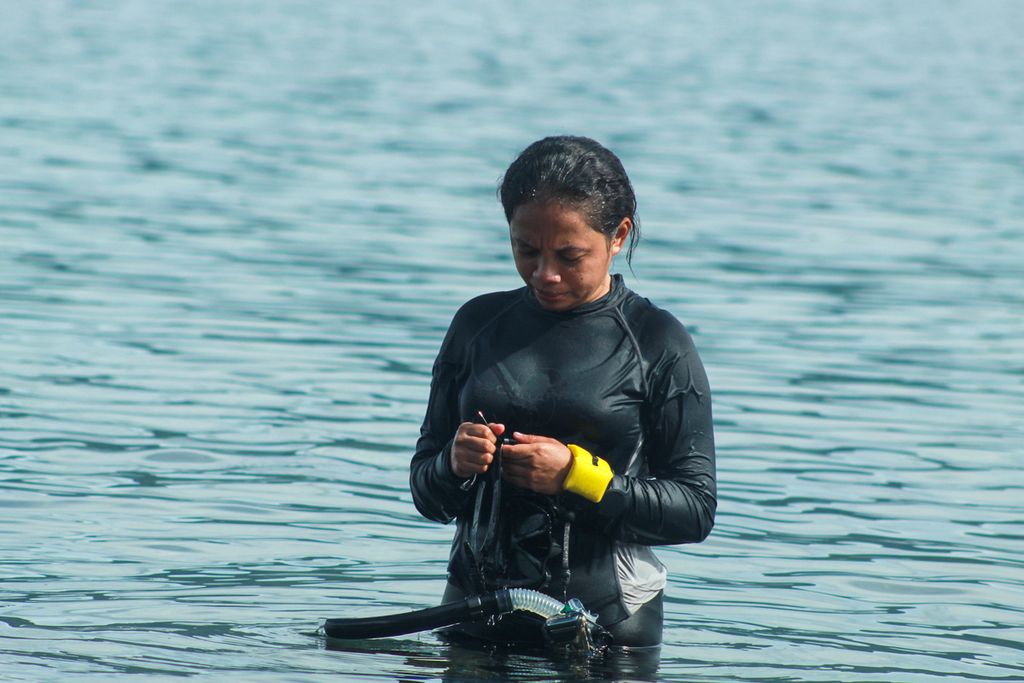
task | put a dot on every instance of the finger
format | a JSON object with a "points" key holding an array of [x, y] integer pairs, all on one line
{"points": [[515, 473], [497, 428], [467, 463], [476, 444], [469, 469], [478, 459], [478, 430], [517, 451], [520, 479], [474, 464], [533, 438]]}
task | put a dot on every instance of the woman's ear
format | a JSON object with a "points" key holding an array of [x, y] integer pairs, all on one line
{"points": [[621, 233]]}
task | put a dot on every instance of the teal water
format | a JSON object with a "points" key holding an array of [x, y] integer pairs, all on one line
{"points": [[232, 235]]}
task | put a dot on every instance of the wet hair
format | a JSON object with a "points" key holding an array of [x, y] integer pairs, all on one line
{"points": [[575, 172]]}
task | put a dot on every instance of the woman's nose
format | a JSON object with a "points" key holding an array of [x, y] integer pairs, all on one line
{"points": [[546, 271]]}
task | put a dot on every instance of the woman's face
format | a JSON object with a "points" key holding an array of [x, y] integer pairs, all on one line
{"points": [[563, 260]]}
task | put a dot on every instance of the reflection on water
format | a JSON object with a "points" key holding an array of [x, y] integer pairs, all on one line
{"points": [[449, 661], [233, 234]]}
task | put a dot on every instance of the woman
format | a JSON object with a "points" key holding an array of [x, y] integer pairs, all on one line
{"points": [[597, 442]]}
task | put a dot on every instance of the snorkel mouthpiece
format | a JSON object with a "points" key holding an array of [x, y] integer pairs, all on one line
{"points": [[575, 628]]}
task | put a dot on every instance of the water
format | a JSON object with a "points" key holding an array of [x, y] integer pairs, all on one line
{"points": [[232, 235]]}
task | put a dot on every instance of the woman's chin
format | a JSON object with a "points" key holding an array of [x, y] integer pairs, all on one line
{"points": [[557, 302]]}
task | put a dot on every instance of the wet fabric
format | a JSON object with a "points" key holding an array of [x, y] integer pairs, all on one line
{"points": [[641, 574], [619, 377]]}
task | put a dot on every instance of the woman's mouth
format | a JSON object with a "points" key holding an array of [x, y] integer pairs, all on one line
{"points": [[547, 296]]}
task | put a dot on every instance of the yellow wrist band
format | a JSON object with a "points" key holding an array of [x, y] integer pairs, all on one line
{"points": [[589, 476]]}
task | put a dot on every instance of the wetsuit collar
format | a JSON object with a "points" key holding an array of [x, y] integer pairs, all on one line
{"points": [[613, 296]]}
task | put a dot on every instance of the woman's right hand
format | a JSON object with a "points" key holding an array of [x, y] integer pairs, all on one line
{"points": [[474, 447]]}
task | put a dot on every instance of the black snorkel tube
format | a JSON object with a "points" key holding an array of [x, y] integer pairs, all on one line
{"points": [[565, 624], [473, 608]]}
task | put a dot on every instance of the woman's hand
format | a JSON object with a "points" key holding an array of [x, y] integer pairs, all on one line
{"points": [[473, 448], [537, 463]]}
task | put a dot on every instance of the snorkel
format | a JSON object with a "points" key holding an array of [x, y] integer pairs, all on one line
{"points": [[567, 626]]}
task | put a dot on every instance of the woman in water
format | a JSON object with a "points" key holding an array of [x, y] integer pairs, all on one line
{"points": [[569, 423]]}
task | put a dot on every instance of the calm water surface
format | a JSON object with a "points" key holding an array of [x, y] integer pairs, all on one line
{"points": [[232, 235]]}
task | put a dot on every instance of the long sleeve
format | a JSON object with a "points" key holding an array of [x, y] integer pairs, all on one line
{"points": [[438, 493], [676, 501], [436, 490]]}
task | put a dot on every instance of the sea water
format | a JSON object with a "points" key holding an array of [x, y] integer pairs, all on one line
{"points": [[232, 236]]}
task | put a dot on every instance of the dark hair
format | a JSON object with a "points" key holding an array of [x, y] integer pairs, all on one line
{"points": [[577, 172]]}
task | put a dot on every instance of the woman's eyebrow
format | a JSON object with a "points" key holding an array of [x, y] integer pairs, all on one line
{"points": [[562, 250]]}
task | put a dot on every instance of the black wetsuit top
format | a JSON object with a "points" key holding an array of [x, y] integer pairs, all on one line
{"points": [[617, 376]]}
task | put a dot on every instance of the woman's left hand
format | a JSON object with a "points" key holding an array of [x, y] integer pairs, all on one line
{"points": [[537, 463]]}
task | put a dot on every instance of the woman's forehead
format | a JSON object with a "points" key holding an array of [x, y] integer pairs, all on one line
{"points": [[551, 223]]}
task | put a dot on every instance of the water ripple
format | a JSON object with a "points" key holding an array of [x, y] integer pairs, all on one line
{"points": [[232, 242]]}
